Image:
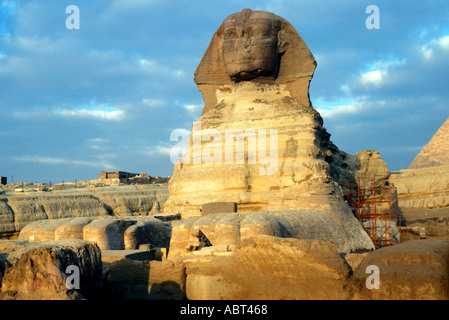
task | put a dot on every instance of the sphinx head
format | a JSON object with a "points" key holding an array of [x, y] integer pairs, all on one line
{"points": [[252, 44], [256, 46]]}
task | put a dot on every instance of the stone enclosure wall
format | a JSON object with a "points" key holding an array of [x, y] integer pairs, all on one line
{"points": [[18, 210], [109, 233]]}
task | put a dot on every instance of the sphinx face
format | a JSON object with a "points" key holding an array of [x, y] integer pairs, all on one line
{"points": [[250, 45]]}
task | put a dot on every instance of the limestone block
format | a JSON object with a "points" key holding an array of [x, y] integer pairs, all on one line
{"points": [[426, 188], [6, 218], [415, 270], [109, 256], [218, 207], [271, 268], [107, 233], [145, 280], [43, 230], [37, 271], [370, 164], [180, 237], [146, 230], [111, 233], [73, 229]]}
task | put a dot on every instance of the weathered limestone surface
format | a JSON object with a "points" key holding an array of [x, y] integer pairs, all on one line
{"points": [[435, 152], [229, 229], [218, 207], [110, 256], [260, 267], [146, 231], [259, 142], [145, 280], [109, 233], [36, 271], [71, 229], [259, 93], [369, 163], [415, 270], [18, 210], [271, 268], [298, 168], [426, 188], [277, 55], [423, 196], [275, 268], [133, 200]]}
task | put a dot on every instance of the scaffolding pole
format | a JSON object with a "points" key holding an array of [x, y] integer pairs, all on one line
{"points": [[370, 200]]}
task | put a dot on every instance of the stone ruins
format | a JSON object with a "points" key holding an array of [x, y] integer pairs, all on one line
{"points": [[257, 209]]}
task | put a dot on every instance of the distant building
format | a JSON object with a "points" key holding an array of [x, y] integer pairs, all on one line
{"points": [[115, 178], [117, 175], [3, 180]]}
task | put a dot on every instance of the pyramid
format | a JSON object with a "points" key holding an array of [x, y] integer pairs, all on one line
{"points": [[436, 152]]}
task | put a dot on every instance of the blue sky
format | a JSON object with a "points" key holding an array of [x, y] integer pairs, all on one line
{"points": [[108, 95]]}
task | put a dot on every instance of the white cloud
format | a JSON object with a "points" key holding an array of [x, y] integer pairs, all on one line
{"points": [[335, 108], [153, 102], [160, 150], [193, 108], [112, 115], [153, 66], [443, 42], [61, 161], [440, 43], [97, 143], [29, 115], [373, 77], [379, 71], [178, 136], [339, 110], [427, 52], [179, 73], [147, 64], [98, 140]]}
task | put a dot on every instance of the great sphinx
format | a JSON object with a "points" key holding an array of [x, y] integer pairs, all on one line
{"points": [[254, 78]]}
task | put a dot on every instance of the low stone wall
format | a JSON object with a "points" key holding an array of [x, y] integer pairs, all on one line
{"points": [[423, 196], [109, 233], [18, 210], [426, 188]]}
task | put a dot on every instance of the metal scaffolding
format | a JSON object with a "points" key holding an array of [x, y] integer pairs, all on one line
{"points": [[370, 200]]}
